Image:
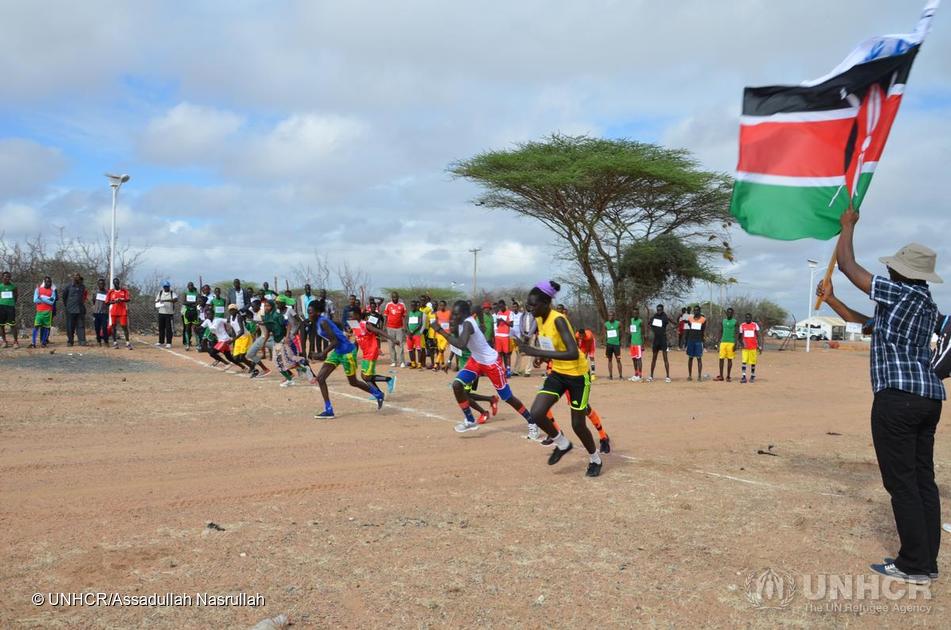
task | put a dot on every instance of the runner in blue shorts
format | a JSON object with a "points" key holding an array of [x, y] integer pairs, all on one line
{"points": [[339, 351]]}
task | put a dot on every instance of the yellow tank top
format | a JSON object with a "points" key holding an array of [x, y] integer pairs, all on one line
{"points": [[550, 339]]}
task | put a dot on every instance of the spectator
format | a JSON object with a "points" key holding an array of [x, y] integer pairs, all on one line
{"points": [[165, 303], [352, 312], [44, 297], [395, 313], [8, 310], [308, 334], [238, 296], [100, 313], [74, 298], [908, 396]]}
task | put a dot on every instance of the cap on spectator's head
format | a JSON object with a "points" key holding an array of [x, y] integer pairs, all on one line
{"points": [[232, 307], [486, 304], [166, 283]]}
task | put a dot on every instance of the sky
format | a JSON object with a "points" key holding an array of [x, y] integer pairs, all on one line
{"points": [[261, 134]]}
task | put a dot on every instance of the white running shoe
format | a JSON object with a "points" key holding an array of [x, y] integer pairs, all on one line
{"points": [[158, 345], [392, 364], [168, 345], [533, 432], [650, 379], [635, 379], [288, 384], [462, 427], [402, 365], [667, 380], [947, 527]]}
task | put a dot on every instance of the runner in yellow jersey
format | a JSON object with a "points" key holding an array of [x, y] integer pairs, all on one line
{"points": [[569, 374]]}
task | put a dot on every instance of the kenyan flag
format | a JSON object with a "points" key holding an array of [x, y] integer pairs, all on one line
{"points": [[808, 151]]}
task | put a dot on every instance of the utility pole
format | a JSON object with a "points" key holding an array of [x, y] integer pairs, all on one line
{"points": [[475, 271]]}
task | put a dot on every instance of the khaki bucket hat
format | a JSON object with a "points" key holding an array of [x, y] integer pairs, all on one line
{"points": [[914, 261]]}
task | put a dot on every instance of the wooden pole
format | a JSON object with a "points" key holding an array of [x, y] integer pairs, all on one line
{"points": [[826, 280]]}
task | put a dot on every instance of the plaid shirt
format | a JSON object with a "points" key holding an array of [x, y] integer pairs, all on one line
{"points": [[905, 316]]}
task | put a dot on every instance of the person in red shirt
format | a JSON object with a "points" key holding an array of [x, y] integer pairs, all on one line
{"points": [[752, 339], [118, 300], [395, 315], [585, 339], [503, 328]]}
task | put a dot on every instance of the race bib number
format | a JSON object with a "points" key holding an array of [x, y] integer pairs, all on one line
{"points": [[6, 295], [612, 334], [373, 319], [413, 321], [101, 297], [353, 324], [445, 326], [696, 326], [191, 298], [749, 334], [455, 350], [545, 343], [219, 309], [633, 329], [657, 323]]}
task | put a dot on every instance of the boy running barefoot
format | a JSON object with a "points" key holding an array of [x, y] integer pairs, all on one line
{"points": [[727, 344], [612, 344], [637, 344], [752, 340]]}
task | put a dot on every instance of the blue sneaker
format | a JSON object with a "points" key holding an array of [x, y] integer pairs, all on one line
{"points": [[325, 415], [890, 570], [391, 385]]}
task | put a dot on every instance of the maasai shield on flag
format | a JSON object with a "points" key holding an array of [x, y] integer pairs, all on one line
{"points": [[808, 151]]}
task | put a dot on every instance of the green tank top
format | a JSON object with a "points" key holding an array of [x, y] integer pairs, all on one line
{"points": [[6, 295], [729, 331], [612, 333], [637, 331]]}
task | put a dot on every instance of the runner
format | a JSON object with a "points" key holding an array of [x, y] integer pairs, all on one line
{"points": [[659, 323], [414, 336], [637, 344], [8, 310], [752, 338], [44, 297], [697, 325], [118, 299], [585, 340], [727, 344], [484, 361], [100, 312], [395, 313], [612, 344], [502, 330], [368, 334], [569, 375], [259, 310], [339, 351], [219, 305], [190, 323], [242, 336]]}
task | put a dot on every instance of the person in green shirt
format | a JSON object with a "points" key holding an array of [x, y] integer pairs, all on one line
{"points": [[612, 344], [727, 344], [414, 336], [637, 344], [218, 305], [191, 324], [8, 310]]}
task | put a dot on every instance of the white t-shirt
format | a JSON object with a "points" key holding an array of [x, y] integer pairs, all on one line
{"points": [[239, 298], [220, 328], [481, 351]]}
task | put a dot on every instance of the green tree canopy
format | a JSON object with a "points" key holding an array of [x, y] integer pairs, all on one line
{"points": [[601, 197]]}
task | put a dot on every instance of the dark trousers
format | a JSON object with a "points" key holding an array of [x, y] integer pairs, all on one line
{"points": [[101, 322], [903, 428], [75, 326], [165, 333], [308, 338]]}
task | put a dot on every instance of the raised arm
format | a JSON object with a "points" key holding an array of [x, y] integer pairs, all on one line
{"points": [[845, 253], [828, 296]]}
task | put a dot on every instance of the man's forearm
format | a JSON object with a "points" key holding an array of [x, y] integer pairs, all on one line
{"points": [[845, 312]]}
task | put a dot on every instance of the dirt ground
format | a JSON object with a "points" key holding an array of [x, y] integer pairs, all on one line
{"points": [[113, 463]]}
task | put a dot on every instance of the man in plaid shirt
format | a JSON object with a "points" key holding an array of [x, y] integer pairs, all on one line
{"points": [[908, 394]]}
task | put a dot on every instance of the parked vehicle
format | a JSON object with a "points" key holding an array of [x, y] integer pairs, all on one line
{"points": [[779, 332]]}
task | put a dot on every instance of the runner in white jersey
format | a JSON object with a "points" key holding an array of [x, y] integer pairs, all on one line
{"points": [[485, 361]]}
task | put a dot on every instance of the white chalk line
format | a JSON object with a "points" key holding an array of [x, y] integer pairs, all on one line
{"points": [[425, 414], [762, 483]]}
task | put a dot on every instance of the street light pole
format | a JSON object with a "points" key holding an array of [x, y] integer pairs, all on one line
{"points": [[115, 182], [812, 283], [475, 270]]}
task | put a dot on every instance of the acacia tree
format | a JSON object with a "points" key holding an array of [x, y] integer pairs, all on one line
{"points": [[600, 197]]}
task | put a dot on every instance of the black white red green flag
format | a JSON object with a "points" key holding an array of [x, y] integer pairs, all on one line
{"points": [[807, 151]]}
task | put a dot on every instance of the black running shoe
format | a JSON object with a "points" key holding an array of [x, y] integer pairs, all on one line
{"points": [[593, 470], [606, 445], [557, 454], [547, 441], [379, 401]]}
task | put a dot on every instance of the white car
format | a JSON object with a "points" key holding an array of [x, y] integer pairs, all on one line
{"points": [[779, 332]]}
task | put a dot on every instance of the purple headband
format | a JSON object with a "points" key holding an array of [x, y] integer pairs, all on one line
{"points": [[546, 288]]}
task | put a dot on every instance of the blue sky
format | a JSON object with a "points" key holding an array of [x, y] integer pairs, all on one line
{"points": [[257, 136]]}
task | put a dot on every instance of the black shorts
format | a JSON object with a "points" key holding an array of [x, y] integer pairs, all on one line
{"points": [[660, 344], [577, 387], [612, 351], [8, 316]]}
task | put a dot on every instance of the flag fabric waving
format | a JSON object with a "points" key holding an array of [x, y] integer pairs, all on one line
{"points": [[809, 151]]}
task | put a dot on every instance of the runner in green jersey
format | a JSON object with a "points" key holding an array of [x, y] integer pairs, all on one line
{"points": [[8, 310], [612, 344], [636, 329]]}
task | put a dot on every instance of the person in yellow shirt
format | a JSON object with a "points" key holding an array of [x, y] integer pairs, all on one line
{"points": [[570, 373], [429, 336], [442, 317]]}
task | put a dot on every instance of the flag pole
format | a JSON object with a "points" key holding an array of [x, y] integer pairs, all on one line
{"points": [[827, 279]]}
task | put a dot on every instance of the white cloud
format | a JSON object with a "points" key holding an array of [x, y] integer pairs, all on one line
{"points": [[17, 219], [27, 168], [188, 134]]}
